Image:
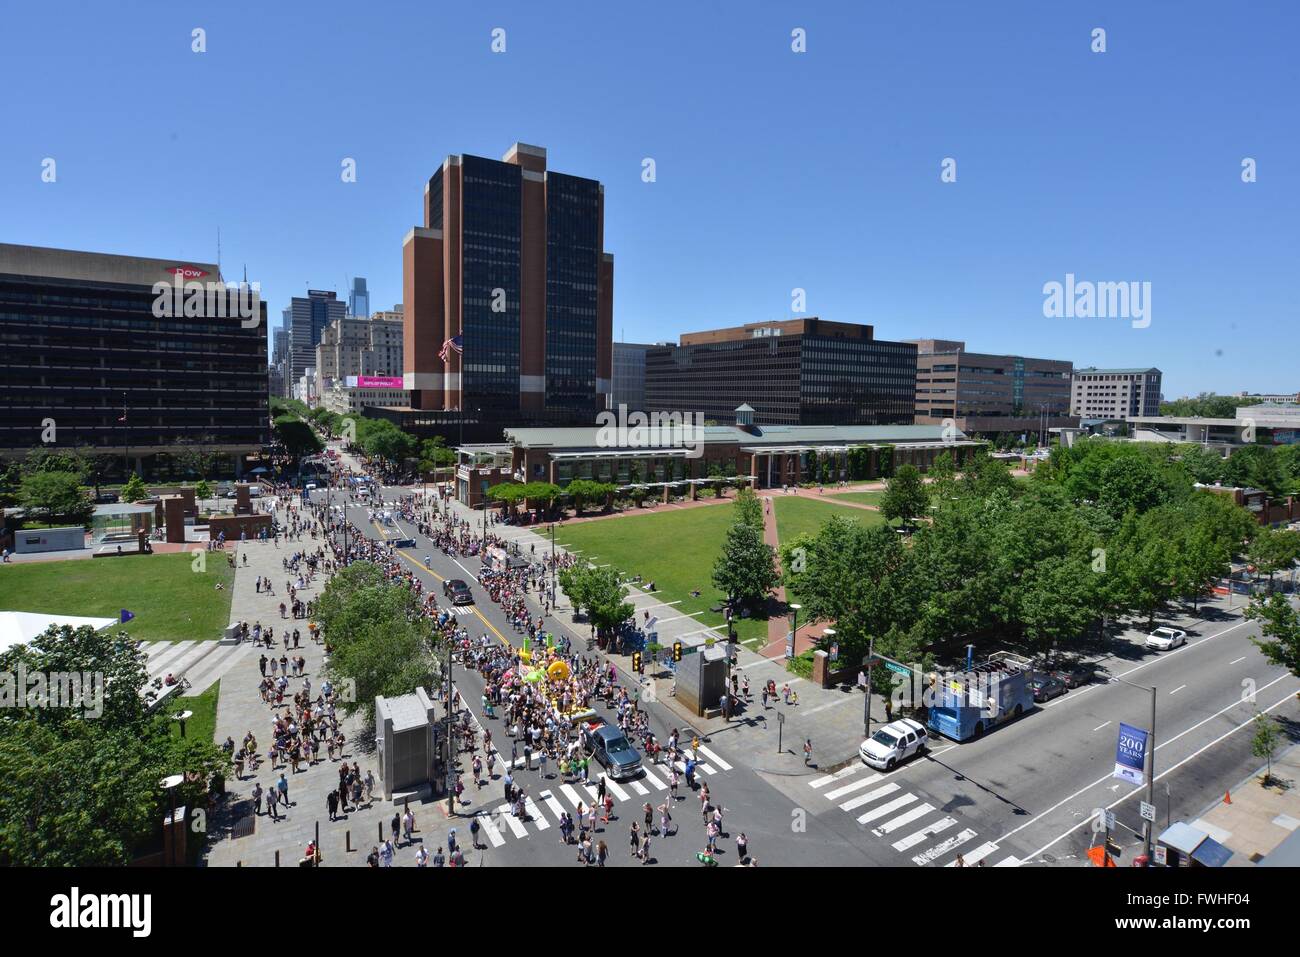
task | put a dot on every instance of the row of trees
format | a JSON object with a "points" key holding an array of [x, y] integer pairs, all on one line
{"points": [[1110, 530]]}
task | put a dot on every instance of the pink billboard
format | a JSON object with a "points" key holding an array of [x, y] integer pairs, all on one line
{"points": [[378, 381]]}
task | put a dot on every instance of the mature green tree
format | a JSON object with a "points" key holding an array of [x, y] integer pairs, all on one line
{"points": [[1202, 464], [1264, 742], [1257, 466], [1280, 627], [1274, 550], [905, 496], [1207, 405], [746, 569], [382, 642], [583, 491], [599, 593], [81, 783], [56, 497], [748, 508], [134, 489], [296, 436]]}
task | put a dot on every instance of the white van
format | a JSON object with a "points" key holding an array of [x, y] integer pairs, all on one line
{"points": [[893, 743]]}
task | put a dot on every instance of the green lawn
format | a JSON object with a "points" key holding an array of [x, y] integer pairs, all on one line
{"points": [[203, 725], [796, 515], [674, 549], [862, 498], [171, 602]]}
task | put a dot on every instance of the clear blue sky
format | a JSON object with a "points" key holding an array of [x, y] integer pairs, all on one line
{"points": [[775, 170]]}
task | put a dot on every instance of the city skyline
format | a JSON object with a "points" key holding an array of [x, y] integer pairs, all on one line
{"points": [[818, 171]]}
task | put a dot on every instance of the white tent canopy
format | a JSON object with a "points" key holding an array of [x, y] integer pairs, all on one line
{"points": [[20, 627]]}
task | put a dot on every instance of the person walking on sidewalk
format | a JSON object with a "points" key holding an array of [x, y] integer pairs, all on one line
{"points": [[807, 751]]}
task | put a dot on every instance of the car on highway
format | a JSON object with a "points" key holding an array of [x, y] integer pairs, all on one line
{"points": [[457, 591], [893, 743], [1073, 672], [1164, 639], [611, 748], [1047, 687]]}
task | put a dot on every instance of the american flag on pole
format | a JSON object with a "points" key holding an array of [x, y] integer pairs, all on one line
{"points": [[454, 343]]}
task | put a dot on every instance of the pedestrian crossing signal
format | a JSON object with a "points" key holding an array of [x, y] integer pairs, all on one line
{"points": [[677, 651], [636, 662]]}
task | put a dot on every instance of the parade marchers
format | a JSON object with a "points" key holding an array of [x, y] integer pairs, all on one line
{"points": [[538, 713]]}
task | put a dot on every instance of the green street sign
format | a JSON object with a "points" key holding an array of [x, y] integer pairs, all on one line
{"points": [[897, 668]]}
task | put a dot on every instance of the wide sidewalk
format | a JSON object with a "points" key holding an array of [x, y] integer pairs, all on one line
{"points": [[240, 709]]}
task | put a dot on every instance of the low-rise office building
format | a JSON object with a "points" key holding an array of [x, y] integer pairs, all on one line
{"points": [[794, 372], [131, 357], [1115, 393]]}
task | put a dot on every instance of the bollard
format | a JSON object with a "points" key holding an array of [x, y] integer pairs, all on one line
{"points": [[277, 858], [380, 826], [318, 833], [348, 836]]}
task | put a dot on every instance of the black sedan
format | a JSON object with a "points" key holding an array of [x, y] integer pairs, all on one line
{"points": [[1075, 673], [1046, 687], [457, 591]]}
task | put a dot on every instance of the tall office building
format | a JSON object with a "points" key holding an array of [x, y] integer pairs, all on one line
{"points": [[985, 393], [359, 299], [792, 372], [308, 318], [508, 292], [355, 347], [93, 349], [629, 375], [1115, 393]]}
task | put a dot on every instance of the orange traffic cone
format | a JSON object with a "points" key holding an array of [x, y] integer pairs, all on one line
{"points": [[1227, 797]]}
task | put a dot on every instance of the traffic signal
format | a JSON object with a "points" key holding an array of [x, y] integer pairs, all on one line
{"points": [[677, 651], [636, 662]]}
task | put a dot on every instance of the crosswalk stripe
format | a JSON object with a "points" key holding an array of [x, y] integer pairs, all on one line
{"points": [[839, 775], [957, 840], [654, 780], [638, 787], [849, 788], [1011, 861], [617, 791], [556, 807], [707, 768], [714, 758], [490, 829], [868, 798], [591, 789], [884, 809], [907, 817], [568, 791], [535, 813], [975, 856], [938, 827], [516, 825]]}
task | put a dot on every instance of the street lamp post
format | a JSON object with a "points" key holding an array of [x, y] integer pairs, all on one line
{"points": [[794, 629], [1149, 827]]}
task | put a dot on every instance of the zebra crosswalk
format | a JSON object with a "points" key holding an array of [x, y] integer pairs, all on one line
{"points": [[555, 797], [202, 662], [462, 611], [911, 825]]}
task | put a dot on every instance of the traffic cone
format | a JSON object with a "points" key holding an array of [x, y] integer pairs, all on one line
{"points": [[1227, 797]]}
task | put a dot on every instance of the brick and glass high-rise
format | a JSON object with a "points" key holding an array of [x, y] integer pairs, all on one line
{"points": [[510, 265]]}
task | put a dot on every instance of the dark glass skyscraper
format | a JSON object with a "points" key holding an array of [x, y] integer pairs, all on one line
{"points": [[509, 267]]}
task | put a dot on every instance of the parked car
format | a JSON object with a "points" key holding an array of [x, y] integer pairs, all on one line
{"points": [[612, 749], [457, 591], [893, 743], [1073, 672], [1046, 687], [106, 498], [1164, 639]]}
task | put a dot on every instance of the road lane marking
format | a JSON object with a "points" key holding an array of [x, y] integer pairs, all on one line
{"points": [[568, 791], [938, 827], [889, 807], [1107, 777], [556, 807], [868, 798], [850, 788], [907, 817], [490, 829], [1233, 662], [957, 840], [536, 814], [1100, 726], [612, 785], [516, 825], [653, 779], [1178, 689], [974, 857], [1164, 773], [714, 758], [839, 775]]}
